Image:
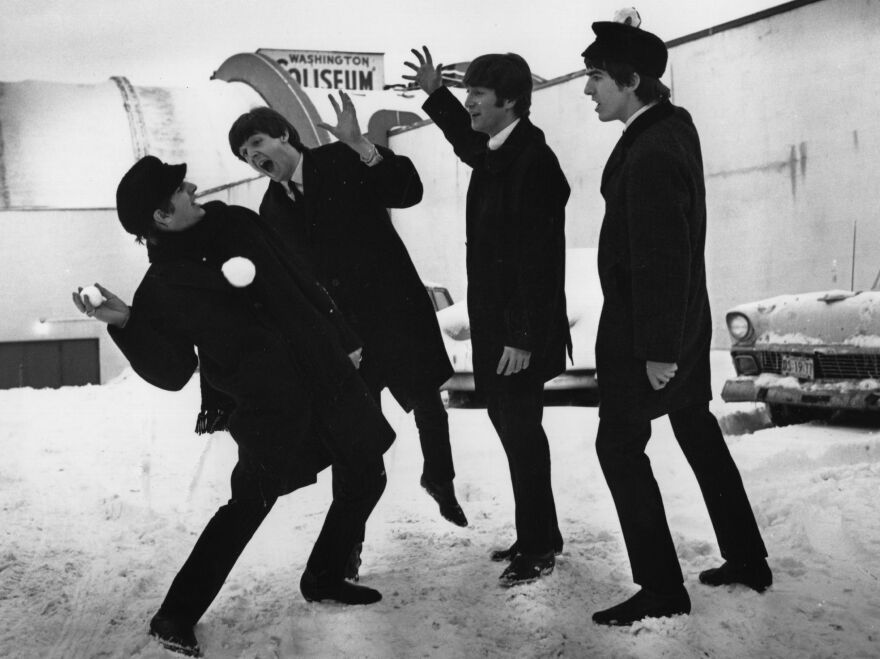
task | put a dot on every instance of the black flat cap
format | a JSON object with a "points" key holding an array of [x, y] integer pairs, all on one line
{"points": [[144, 188], [620, 42]]}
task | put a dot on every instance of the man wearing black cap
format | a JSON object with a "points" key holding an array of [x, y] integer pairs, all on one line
{"points": [[516, 279], [652, 346], [271, 340]]}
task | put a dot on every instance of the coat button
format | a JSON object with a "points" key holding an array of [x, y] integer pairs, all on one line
{"points": [[258, 305], [334, 282]]}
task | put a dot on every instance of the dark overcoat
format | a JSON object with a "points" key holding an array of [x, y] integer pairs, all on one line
{"points": [[278, 348], [345, 232], [652, 267], [515, 229]]}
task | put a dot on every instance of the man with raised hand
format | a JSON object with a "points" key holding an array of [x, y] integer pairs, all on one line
{"points": [[329, 205], [516, 279]]}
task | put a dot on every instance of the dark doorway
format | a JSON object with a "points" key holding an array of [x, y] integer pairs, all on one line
{"points": [[49, 363]]}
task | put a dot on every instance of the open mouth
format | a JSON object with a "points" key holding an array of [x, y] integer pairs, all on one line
{"points": [[266, 165]]}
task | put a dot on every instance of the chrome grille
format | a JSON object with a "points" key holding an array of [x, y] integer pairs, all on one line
{"points": [[858, 366]]}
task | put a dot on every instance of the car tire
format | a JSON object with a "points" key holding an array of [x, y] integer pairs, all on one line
{"points": [[458, 398], [787, 415]]}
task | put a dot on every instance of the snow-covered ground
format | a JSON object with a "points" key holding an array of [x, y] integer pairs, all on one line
{"points": [[104, 490]]}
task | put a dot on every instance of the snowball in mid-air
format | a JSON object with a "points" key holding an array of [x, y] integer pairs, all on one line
{"points": [[92, 295], [239, 271]]}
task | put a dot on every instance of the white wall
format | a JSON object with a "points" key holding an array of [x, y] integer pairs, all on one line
{"points": [[788, 116], [788, 113]]}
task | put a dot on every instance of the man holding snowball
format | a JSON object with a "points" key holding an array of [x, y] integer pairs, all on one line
{"points": [[222, 294]]}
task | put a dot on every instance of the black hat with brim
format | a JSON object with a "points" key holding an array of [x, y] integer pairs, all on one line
{"points": [[619, 42], [145, 188]]}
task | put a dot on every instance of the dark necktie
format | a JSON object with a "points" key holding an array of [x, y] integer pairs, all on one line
{"points": [[297, 195]]}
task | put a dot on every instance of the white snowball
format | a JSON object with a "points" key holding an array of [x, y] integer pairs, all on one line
{"points": [[93, 295], [239, 271]]}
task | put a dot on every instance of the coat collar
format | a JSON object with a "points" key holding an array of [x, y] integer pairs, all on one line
{"points": [[640, 125], [645, 121], [524, 133], [308, 175]]}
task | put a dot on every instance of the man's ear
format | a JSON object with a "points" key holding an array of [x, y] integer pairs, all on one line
{"points": [[284, 137], [508, 104], [160, 219], [633, 82]]}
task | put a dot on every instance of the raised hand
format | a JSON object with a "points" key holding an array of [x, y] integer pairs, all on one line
{"points": [[112, 311], [427, 76], [346, 129]]}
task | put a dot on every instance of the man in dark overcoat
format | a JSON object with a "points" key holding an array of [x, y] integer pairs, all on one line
{"points": [[653, 340], [515, 227], [270, 339], [329, 205]]}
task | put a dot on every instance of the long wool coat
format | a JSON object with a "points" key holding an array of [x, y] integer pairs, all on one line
{"points": [[652, 267], [343, 229], [515, 246], [278, 348]]}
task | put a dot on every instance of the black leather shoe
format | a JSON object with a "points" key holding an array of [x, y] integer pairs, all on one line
{"points": [[315, 589], [755, 574], [526, 568], [444, 494], [499, 555], [175, 635], [645, 604]]}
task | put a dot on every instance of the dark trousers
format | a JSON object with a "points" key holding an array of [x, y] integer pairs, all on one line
{"points": [[621, 444], [233, 525], [432, 423], [433, 426], [517, 419]]}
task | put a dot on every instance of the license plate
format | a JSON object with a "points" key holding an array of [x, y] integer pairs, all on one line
{"points": [[799, 367]]}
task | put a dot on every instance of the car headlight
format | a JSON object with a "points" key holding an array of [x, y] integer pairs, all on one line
{"points": [[739, 326]]}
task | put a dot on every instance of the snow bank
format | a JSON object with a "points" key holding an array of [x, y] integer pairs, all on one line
{"points": [[104, 490]]}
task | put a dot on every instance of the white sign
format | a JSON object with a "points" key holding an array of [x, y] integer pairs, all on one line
{"points": [[331, 69]]}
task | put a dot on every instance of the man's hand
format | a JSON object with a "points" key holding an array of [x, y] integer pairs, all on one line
{"points": [[346, 129], [427, 76], [660, 373], [112, 311], [513, 360], [356, 357]]}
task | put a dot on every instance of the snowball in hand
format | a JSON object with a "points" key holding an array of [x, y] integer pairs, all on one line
{"points": [[239, 271], [92, 295]]}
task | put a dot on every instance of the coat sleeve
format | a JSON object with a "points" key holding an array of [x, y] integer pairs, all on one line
{"points": [[161, 357], [657, 205], [451, 118], [394, 182], [540, 276]]}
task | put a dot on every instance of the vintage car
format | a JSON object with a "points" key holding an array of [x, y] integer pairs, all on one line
{"points": [[584, 302], [439, 294], [807, 356]]}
